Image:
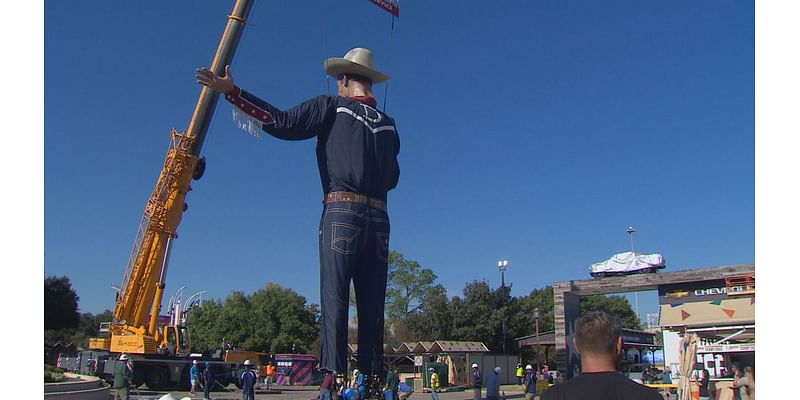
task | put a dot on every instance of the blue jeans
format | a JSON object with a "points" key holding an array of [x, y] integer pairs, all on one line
{"points": [[353, 244], [434, 395], [324, 394]]}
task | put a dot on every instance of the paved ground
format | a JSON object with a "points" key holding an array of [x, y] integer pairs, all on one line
{"points": [[303, 393], [296, 393]]}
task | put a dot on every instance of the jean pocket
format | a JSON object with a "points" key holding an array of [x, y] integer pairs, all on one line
{"points": [[344, 237]]}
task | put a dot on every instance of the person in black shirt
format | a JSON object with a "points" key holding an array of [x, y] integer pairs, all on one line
{"points": [[702, 383], [357, 147], [598, 341]]}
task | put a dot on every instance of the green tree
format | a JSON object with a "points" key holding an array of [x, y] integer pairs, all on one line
{"points": [[433, 320], [476, 316], [407, 285], [60, 304], [614, 304], [543, 300], [273, 319], [88, 326]]}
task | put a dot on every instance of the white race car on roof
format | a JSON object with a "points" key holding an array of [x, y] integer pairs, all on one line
{"points": [[627, 263]]}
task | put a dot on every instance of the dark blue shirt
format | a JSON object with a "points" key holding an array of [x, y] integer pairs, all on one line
{"points": [[357, 145], [492, 385], [248, 381]]}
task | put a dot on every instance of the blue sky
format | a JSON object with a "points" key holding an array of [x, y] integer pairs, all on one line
{"points": [[531, 131]]}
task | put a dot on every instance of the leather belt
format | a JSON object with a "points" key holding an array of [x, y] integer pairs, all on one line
{"points": [[333, 197]]}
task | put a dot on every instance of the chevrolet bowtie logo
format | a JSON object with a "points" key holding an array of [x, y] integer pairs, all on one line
{"points": [[678, 294]]}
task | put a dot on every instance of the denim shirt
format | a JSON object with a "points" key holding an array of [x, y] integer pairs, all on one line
{"points": [[357, 145]]}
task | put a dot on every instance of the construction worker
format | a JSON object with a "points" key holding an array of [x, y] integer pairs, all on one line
{"points": [[270, 373], [248, 381], [122, 376], [194, 376], [493, 384], [529, 383], [208, 381], [357, 147], [477, 382], [520, 373], [434, 384]]}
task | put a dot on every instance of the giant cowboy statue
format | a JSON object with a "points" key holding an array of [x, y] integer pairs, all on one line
{"points": [[357, 147]]}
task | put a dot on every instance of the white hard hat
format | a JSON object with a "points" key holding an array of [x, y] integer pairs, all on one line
{"points": [[123, 357], [194, 362], [474, 365], [497, 369], [355, 371], [528, 367], [431, 369], [248, 362]]}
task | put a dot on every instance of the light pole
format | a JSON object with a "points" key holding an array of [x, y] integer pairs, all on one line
{"points": [[536, 316], [631, 231], [502, 265]]}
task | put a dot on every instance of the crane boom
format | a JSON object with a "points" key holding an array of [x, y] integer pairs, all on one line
{"points": [[135, 325]]}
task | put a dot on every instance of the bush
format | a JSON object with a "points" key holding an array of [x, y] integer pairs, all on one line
{"points": [[53, 374]]}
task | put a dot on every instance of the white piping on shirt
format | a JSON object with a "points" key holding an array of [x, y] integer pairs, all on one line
{"points": [[363, 121]]}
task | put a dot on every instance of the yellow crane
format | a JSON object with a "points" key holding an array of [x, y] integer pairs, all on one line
{"points": [[135, 328]]}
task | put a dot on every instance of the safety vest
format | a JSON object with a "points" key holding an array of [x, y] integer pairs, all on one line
{"points": [[519, 372], [434, 380]]}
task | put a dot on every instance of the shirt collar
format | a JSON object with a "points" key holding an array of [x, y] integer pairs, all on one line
{"points": [[368, 100]]}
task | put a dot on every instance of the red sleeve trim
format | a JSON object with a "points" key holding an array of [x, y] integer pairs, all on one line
{"points": [[235, 97]]}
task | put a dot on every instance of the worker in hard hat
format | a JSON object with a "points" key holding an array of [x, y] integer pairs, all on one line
{"points": [[434, 384], [194, 376], [122, 376], [248, 381], [359, 384], [208, 381], [477, 382], [529, 382]]}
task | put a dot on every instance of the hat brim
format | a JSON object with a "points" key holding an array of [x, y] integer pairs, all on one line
{"points": [[337, 66]]}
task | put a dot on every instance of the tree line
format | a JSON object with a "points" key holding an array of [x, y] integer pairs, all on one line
{"points": [[275, 319]]}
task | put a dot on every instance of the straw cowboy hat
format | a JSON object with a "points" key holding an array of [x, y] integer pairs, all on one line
{"points": [[358, 61]]}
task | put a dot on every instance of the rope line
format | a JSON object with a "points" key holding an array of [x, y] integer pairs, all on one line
{"points": [[391, 35]]}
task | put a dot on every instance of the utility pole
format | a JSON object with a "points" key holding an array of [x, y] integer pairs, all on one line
{"points": [[502, 265], [631, 230]]}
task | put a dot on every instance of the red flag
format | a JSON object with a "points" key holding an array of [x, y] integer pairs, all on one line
{"points": [[387, 5]]}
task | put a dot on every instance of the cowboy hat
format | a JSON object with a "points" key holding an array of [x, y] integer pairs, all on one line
{"points": [[358, 61]]}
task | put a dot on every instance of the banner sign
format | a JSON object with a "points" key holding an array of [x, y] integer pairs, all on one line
{"points": [[696, 291], [387, 5]]}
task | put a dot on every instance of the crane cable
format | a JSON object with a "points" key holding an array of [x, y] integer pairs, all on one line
{"points": [[391, 34]]}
